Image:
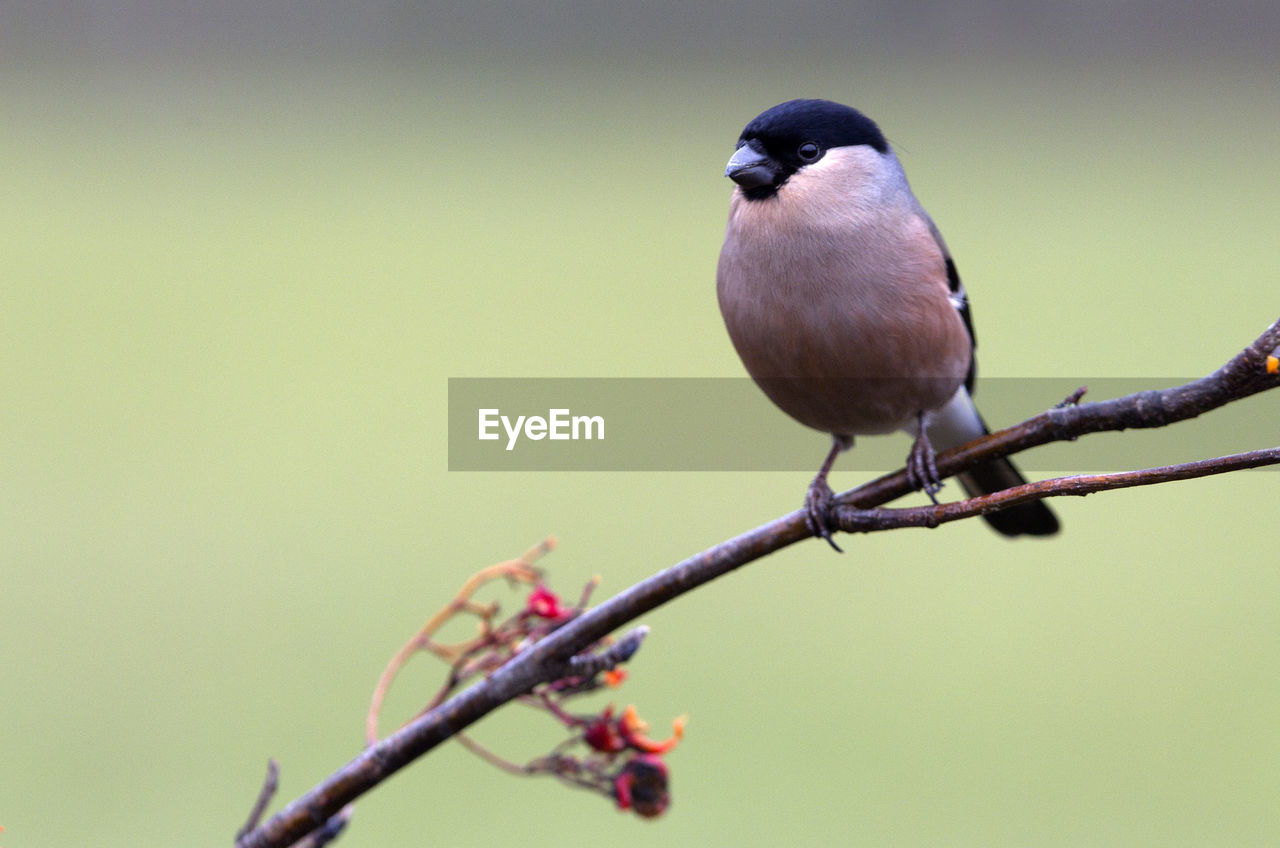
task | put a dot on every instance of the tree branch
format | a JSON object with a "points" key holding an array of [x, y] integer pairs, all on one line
{"points": [[853, 520], [1251, 371], [1246, 374]]}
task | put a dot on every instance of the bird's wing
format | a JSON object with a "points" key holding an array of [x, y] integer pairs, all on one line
{"points": [[958, 299]]}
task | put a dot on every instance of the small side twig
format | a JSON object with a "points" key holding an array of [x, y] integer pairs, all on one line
{"points": [[270, 784], [589, 665], [489, 757], [1072, 399]]}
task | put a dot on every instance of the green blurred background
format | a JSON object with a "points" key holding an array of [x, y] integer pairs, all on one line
{"points": [[244, 249]]}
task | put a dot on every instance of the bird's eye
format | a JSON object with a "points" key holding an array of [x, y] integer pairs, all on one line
{"points": [[809, 152]]}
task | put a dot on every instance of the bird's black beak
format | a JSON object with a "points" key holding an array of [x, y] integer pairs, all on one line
{"points": [[750, 167]]}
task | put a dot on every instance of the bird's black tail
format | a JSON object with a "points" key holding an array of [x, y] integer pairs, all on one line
{"points": [[1027, 519], [959, 422]]}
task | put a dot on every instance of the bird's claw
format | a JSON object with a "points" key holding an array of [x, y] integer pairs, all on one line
{"points": [[922, 470], [818, 502]]}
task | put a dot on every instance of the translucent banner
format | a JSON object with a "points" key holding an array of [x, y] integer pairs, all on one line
{"points": [[695, 424]]}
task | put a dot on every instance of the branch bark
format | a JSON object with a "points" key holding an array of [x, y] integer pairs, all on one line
{"points": [[853, 520], [1249, 372]]}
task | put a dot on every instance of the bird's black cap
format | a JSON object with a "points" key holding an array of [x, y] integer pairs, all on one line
{"points": [[784, 139], [821, 121]]}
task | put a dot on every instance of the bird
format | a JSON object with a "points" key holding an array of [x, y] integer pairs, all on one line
{"points": [[845, 306]]}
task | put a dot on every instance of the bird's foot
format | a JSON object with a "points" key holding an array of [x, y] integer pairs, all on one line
{"points": [[818, 502], [922, 470]]}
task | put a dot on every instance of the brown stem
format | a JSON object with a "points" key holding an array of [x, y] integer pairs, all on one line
{"points": [[867, 520], [269, 786]]}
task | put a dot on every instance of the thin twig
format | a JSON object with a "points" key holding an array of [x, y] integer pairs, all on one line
{"points": [[489, 757], [269, 786], [855, 520], [610, 658]]}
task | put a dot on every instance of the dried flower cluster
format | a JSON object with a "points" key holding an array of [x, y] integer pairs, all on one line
{"points": [[608, 751]]}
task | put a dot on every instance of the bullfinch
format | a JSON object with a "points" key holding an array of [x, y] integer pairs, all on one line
{"points": [[843, 302]]}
